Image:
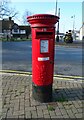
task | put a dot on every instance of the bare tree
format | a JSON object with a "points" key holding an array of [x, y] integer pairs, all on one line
{"points": [[25, 15], [5, 10]]}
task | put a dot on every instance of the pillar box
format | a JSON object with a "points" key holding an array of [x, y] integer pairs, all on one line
{"points": [[43, 41]]}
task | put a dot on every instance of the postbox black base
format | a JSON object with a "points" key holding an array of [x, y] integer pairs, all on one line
{"points": [[42, 93]]}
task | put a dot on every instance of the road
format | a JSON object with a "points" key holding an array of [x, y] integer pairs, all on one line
{"points": [[17, 56]]}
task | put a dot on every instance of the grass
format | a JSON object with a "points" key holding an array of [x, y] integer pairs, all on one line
{"points": [[3, 39], [61, 99], [14, 39], [50, 108]]}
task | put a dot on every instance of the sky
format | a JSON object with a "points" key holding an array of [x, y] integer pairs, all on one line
{"points": [[67, 9]]}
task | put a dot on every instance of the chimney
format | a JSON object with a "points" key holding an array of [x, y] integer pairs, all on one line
{"points": [[10, 18]]}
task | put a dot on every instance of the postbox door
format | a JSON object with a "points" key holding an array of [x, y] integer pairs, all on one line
{"points": [[43, 55], [43, 61]]}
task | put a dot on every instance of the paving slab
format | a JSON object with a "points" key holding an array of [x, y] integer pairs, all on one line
{"points": [[17, 101]]}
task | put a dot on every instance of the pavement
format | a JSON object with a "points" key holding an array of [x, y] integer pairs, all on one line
{"points": [[16, 100], [75, 44]]}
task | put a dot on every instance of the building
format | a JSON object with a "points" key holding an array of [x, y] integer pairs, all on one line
{"points": [[82, 28], [81, 37], [9, 28], [21, 31], [0, 26], [82, 19], [61, 36], [81, 32], [77, 35]]}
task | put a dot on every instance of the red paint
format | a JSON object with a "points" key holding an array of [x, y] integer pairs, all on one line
{"points": [[43, 28]]}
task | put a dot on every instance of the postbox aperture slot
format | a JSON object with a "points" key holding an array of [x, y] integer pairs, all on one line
{"points": [[44, 34], [44, 46]]}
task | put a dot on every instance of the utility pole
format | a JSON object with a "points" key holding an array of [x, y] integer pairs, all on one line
{"points": [[56, 8], [73, 26], [73, 23], [57, 39]]}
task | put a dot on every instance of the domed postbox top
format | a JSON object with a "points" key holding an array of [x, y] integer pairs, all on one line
{"points": [[42, 20]]}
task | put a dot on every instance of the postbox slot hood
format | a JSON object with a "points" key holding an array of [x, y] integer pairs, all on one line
{"points": [[44, 34]]}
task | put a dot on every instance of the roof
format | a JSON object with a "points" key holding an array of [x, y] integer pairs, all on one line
{"points": [[7, 24], [22, 27]]}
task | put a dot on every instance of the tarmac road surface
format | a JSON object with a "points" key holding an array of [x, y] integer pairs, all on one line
{"points": [[17, 56]]}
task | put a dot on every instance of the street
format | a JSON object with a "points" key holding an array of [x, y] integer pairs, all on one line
{"points": [[17, 56]]}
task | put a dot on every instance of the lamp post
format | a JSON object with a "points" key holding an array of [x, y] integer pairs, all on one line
{"points": [[56, 8], [57, 39], [73, 26]]}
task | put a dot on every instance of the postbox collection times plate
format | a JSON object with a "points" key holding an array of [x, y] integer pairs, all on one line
{"points": [[44, 45]]}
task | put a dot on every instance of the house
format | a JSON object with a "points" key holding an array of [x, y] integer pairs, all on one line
{"points": [[82, 28], [9, 28], [81, 32], [0, 26], [77, 35]]}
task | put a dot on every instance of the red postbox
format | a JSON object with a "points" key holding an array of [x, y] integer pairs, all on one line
{"points": [[43, 40]]}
